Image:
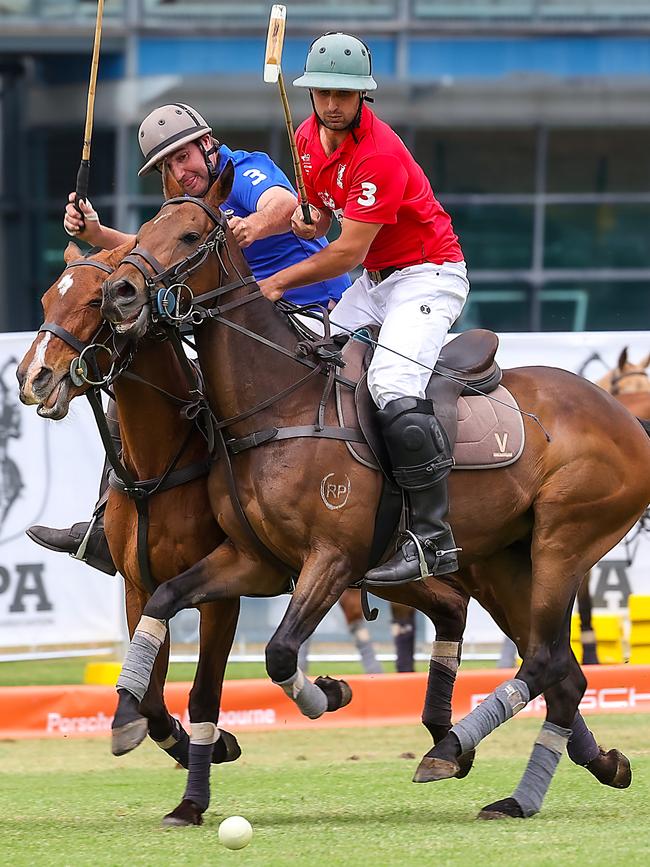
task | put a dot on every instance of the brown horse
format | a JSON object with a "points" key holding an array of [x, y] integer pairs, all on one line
{"points": [[152, 433], [629, 383], [536, 515]]}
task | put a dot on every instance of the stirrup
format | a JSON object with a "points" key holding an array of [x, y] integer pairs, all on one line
{"points": [[425, 570], [81, 550]]}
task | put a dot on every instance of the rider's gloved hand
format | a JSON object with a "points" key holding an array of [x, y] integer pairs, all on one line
{"points": [[85, 226]]}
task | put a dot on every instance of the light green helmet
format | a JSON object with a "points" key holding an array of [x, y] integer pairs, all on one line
{"points": [[337, 61]]}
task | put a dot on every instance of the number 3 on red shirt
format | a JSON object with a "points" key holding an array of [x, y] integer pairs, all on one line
{"points": [[368, 197]]}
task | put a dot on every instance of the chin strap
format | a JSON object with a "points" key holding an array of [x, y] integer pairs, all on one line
{"points": [[213, 170]]}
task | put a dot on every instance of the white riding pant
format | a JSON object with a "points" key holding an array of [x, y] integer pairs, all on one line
{"points": [[415, 308]]}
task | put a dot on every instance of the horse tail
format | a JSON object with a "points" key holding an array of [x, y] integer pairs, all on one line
{"points": [[645, 424]]}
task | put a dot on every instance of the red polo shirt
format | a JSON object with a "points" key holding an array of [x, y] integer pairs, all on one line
{"points": [[376, 180]]}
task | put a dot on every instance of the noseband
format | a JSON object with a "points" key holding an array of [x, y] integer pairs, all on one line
{"points": [[616, 379], [166, 285], [87, 351]]}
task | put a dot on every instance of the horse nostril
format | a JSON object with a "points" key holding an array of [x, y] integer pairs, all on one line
{"points": [[124, 291], [42, 379]]}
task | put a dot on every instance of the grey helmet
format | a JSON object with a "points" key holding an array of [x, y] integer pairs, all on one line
{"points": [[337, 61], [166, 129]]}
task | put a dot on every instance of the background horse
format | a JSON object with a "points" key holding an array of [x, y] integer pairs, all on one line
{"points": [[536, 513], [182, 529], [629, 383]]}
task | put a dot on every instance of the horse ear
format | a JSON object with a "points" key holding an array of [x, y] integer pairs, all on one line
{"points": [[71, 253], [171, 188], [220, 189], [622, 359], [116, 255], [646, 362]]}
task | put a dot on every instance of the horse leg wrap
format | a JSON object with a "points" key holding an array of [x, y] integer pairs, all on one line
{"points": [[303, 655], [141, 655], [443, 666], [177, 744], [547, 752], [363, 642], [582, 747], [310, 699], [502, 704], [202, 740], [404, 638]]}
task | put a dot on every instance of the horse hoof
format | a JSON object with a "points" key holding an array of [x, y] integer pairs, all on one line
{"points": [[129, 736], [611, 768], [465, 763], [187, 813], [431, 769], [337, 692], [508, 808], [226, 749]]}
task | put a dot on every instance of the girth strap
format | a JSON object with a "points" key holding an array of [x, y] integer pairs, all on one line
{"points": [[272, 434], [178, 477]]}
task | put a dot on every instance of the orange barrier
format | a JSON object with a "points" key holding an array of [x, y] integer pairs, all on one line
{"points": [[385, 699]]}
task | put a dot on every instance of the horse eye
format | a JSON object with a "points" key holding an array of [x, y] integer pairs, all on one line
{"points": [[190, 238], [96, 302]]}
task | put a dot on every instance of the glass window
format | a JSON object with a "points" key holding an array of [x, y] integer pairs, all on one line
{"points": [[62, 154], [597, 236], [494, 236], [623, 306], [499, 307], [477, 161], [599, 161]]}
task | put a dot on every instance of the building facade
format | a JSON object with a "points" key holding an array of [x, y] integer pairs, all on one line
{"points": [[530, 117]]}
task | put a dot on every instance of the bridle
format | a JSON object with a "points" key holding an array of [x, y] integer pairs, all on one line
{"points": [[79, 366], [614, 390]]}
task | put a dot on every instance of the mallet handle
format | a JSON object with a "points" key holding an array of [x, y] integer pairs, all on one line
{"points": [[84, 167], [297, 167]]}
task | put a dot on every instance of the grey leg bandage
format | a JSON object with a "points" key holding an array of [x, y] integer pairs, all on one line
{"points": [[202, 740], [547, 752], [582, 747], [507, 699], [370, 663], [310, 699], [141, 655], [303, 655]]}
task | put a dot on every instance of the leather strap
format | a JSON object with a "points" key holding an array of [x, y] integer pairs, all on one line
{"points": [[237, 445]]}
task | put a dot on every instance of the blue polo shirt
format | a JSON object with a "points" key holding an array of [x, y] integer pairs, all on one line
{"points": [[254, 174]]}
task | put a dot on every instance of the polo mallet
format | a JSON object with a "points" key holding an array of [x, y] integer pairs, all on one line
{"points": [[273, 73], [81, 190]]}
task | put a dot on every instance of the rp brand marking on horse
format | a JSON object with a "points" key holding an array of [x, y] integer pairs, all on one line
{"points": [[502, 445], [333, 494]]}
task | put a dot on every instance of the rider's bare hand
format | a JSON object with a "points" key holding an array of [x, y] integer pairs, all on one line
{"points": [[271, 288], [302, 229], [86, 227], [242, 230]]}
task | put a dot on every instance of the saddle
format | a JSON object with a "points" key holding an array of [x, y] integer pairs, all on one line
{"points": [[483, 433]]}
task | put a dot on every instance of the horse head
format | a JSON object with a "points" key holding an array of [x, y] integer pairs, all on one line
{"points": [[627, 377], [72, 321], [168, 248]]}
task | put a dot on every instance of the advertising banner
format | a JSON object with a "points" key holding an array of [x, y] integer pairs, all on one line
{"points": [[49, 474]]}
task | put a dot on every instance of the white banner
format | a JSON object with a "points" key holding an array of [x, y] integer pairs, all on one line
{"points": [[614, 578], [49, 474]]}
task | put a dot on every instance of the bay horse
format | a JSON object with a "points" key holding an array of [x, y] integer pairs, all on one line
{"points": [[536, 516], [629, 383], [182, 529]]}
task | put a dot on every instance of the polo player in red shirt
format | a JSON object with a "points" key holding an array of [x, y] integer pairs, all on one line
{"points": [[413, 286]]}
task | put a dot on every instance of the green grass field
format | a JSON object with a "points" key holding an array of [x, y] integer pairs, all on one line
{"points": [[332, 798]]}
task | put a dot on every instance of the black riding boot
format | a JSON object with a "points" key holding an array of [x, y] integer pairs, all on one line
{"points": [[421, 458], [71, 540]]}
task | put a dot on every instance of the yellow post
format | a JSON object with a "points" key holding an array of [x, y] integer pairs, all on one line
{"points": [[609, 638], [576, 638], [639, 607]]}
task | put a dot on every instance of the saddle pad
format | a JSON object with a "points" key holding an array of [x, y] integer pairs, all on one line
{"points": [[490, 434]]}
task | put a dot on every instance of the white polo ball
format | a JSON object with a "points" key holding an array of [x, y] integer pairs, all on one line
{"points": [[235, 832]]}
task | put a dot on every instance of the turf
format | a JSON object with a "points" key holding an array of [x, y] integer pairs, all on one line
{"points": [[321, 798]]}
